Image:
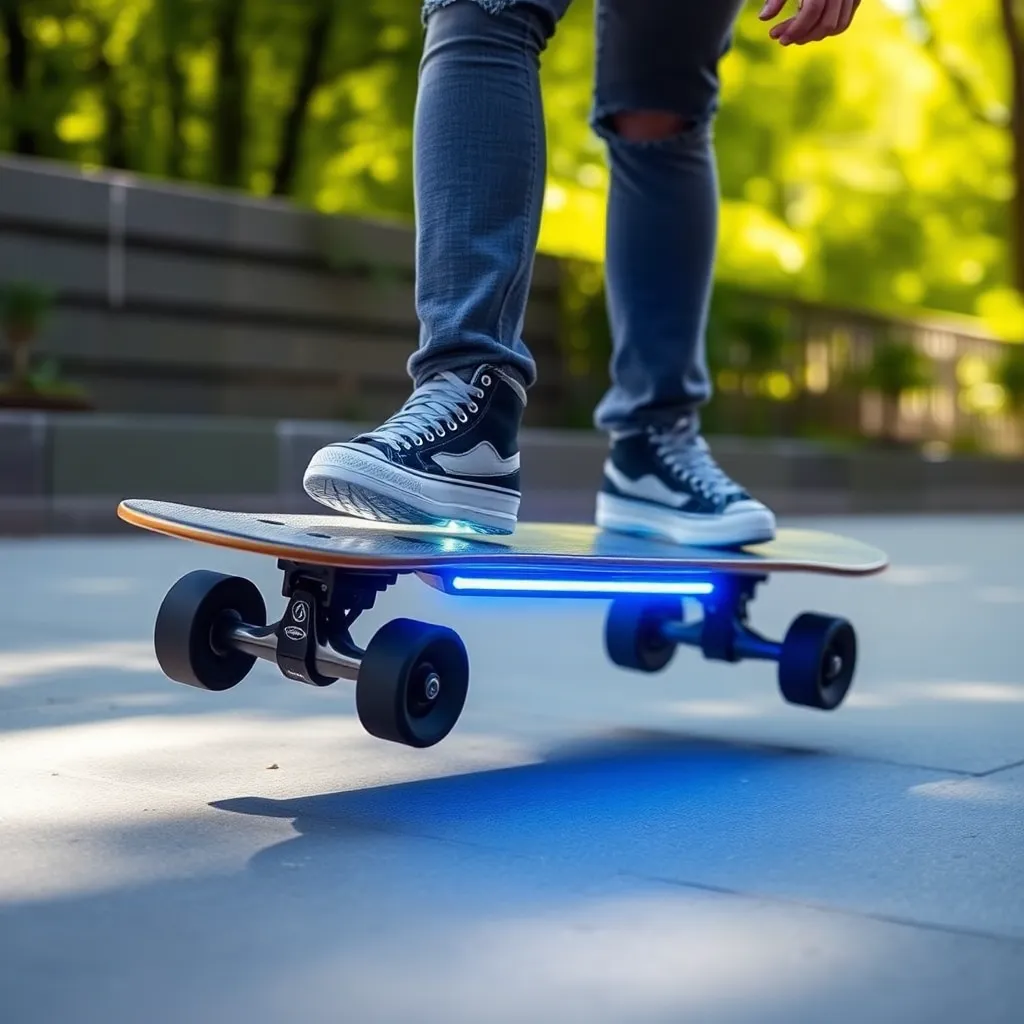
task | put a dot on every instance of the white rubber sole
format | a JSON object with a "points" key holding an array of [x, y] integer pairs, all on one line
{"points": [[358, 484], [751, 525]]}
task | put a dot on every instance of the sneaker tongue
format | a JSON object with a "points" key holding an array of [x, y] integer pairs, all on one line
{"points": [[467, 374], [687, 428], [693, 451], [681, 437], [472, 374]]}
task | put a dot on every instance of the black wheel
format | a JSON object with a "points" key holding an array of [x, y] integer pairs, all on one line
{"points": [[193, 614], [412, 683], [632, 632], [818, 659]]}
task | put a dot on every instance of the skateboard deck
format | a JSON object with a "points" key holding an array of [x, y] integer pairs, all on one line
{"points": [[356, 544]]}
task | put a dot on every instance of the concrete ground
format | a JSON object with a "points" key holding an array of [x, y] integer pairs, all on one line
{"points": [[588, 845]]}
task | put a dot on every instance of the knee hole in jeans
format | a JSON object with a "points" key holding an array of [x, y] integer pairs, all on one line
{"points": [[648, 125]]}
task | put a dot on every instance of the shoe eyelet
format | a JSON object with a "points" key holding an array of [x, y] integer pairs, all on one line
{"points": [[485, 380], [452, 426], [430, 437], [418, 441], [463, 418], [473, 407], [440, 431]]}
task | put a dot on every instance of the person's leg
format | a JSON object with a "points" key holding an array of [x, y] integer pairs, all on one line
{"points": [[451, 453], [655, 99], [480, 168]]}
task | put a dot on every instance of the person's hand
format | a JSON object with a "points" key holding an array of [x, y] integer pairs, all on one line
{"points": [[816, 19]]}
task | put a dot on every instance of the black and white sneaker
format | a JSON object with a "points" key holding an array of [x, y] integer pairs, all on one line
{"points": [[665, 483], [448, 457]]}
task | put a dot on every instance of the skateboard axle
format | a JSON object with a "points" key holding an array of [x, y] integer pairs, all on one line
{"points": [[744, 642], [723, 633], [262, 643]]}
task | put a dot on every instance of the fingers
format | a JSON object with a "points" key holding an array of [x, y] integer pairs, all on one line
{"points": [[802, 24], [849, 10], [772, 9], [817, 20], [828, 24]]}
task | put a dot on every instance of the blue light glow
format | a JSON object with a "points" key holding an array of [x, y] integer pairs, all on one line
{"points": [[570, 586], [454, 526]]}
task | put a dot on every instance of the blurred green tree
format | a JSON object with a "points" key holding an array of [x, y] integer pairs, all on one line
{"points": [[967, 77]]}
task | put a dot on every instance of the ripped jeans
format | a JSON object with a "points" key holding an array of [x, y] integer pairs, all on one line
{"points": [[480, 161]]}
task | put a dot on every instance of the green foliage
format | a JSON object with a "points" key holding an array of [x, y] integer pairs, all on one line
{"points": [[896, 367], [745, 333]]}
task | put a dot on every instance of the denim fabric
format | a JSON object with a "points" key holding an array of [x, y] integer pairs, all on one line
{"points": [[480, 168]]}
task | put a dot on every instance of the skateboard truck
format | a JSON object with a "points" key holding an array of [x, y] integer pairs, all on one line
{"points": [[411, 680], [314, 644], [723, 634], [816, 659]]}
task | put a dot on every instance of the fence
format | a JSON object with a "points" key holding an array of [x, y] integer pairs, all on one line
{"points": [[836, 347]]}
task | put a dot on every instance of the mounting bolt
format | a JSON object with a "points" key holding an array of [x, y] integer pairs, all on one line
{"points": [[432, 686]]}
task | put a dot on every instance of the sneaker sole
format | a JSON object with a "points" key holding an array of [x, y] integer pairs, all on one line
{"points": [[368, 488], [641, 518]]}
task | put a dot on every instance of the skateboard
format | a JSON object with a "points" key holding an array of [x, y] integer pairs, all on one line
{"points": [[412, 678]]}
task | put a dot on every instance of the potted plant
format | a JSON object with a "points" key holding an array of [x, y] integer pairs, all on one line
{"points": [[24, 309]]}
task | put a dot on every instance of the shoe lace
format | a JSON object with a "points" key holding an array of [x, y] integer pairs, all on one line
{"points": [[689, 458], [442, 402]]}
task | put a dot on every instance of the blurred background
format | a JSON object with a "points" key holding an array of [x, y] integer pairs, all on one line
{"points": [[206, 210]]}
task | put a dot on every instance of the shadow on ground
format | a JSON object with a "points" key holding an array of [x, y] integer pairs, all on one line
{"points": [[618, 779]]}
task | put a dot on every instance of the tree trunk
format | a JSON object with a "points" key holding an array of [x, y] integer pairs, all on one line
{"points": [[1013, 27], [229, 116], [309, 78], [176, 109], [115, 141], [172, 37], [24, 140]]}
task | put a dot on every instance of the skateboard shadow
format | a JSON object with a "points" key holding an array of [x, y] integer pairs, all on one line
{"points": [[598, 792]]}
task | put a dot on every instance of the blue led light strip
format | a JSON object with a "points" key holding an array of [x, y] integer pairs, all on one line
{"points": [[570, 586]]}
